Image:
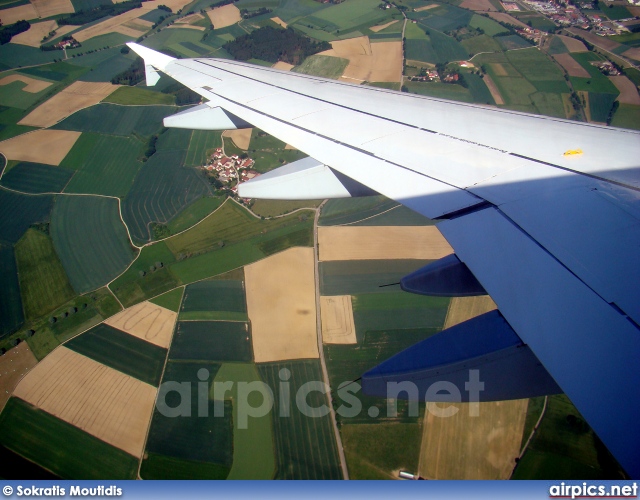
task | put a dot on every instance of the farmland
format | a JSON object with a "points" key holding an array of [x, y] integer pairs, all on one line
{"points": [[109, 169], [201, 141], [11, 315], [191, 438], [350, 210], [60, 447], [211, 341], [132, 96], [627, 116], [170, 300], [325, 66], [148, 322], [253, 446], [194, 213], [214, 300], [90, 240], [156, 466], [18, 212], [122, 352], [305, 444], [36, 178], [43, 282], [272, 208]]}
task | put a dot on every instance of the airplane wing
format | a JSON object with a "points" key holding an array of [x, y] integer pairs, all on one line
{"points": [[543, 215]]}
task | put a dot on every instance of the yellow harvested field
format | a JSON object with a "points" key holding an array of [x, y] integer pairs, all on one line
{"points": [[174, 5], [506, 18], [34, 35], [114, 23], [283, 66], [282, 307], [499, 69], [99, 400], [628, 91], [377, 62], [187, 26], [48, 8], [289, 146], [190, 18], [224, 16], [381, 242], [40, 146], [336, 313], [76, 96], [572, 44], [15, 14], [139, 24], [146, 321], [478, 5], [279, 21], [573, 67], [240, 137], [472, 447], [14, 365], [427, 7], [380, 27], [462, 309], [32, 85], [129, 31], [495, 93]]}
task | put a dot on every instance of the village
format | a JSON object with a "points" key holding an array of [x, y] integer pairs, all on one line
{"points": [[229, 171]]}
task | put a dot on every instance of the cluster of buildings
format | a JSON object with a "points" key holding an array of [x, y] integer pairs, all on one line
{"points": [[530, 34], [606, 68], [228, 168], [70, 43]]}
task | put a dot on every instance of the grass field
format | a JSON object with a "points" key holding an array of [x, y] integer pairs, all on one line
{"points": [[214, 300], [253, 446], [271, 208], [18, 212], [81, 151], [440, 90], [11, 314], [156, 466], [201, 142], [305, 445], [60, 447], [364, 276], [350, 15], [377, 451], [598, 82], [170, 300], [36, 178], [627, 116], [482, 43], [109, 169], [121, 351], [538, 69], [90, 240], [512, 42], [194, 213], [600, 105], [43, 282], [211, 341], [350, 210], [489, 26], [190, 437], [326, 66], [160, 191], [132, 96]]}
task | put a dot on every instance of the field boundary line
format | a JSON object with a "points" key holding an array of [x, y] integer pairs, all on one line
{"points": [[533, 432], [366, 218]]}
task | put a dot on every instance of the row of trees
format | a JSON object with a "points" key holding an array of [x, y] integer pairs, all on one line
{"points": [[9, 31], [83, 17]]}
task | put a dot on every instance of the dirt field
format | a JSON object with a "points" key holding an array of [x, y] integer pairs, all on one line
{"points": [[240, 137], [190, 18], [14, 365], [279, 21], [495, 93], [628, 91], [598, 41], [188, 27], [34, 35], [114, 23], [99, 400], [572, 44], [506, 18], [467, 447], [174, 5], [283, 65], [282, 307], [15, 14], [146, 321], [380, 27], [571, 65], [289, 146], [499, 69], [48, 8], [76, 96], [478, 5], [32, 85], [633, 53], [40, 146], [224, 16], [377, 62], [381, 242], [338, 326]]}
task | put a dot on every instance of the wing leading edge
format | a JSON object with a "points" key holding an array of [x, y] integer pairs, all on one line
{"points": [[552, 237]]}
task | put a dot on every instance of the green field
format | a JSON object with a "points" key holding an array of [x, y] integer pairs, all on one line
{"points": [[439, 48], [60, 447], [90, 240], [211, 341], [630, 39], [305, 444], [378, 451], [14, 95], [206, 438], [598, 82], [160, 191], [182, 41], [349, 210], [440, 90], [349, 15], [600, 105], [18, 212], [214, 300], [444, 18], [132, 96], [156, 466], [11, 314], [170, 300], [81, 151], [325, 66], [272, 208], [253, 446], [201, 142], [194, 213], [549, 104], [342, 277], [36, 178], [512, 42], [627, 116], [43, 282], [121, 351], [538, 69], [482, 43], [489, 26], [104, 64], [110, 167]]}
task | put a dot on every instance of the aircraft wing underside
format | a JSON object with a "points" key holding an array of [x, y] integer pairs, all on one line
{"points": [[544, 213]]}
